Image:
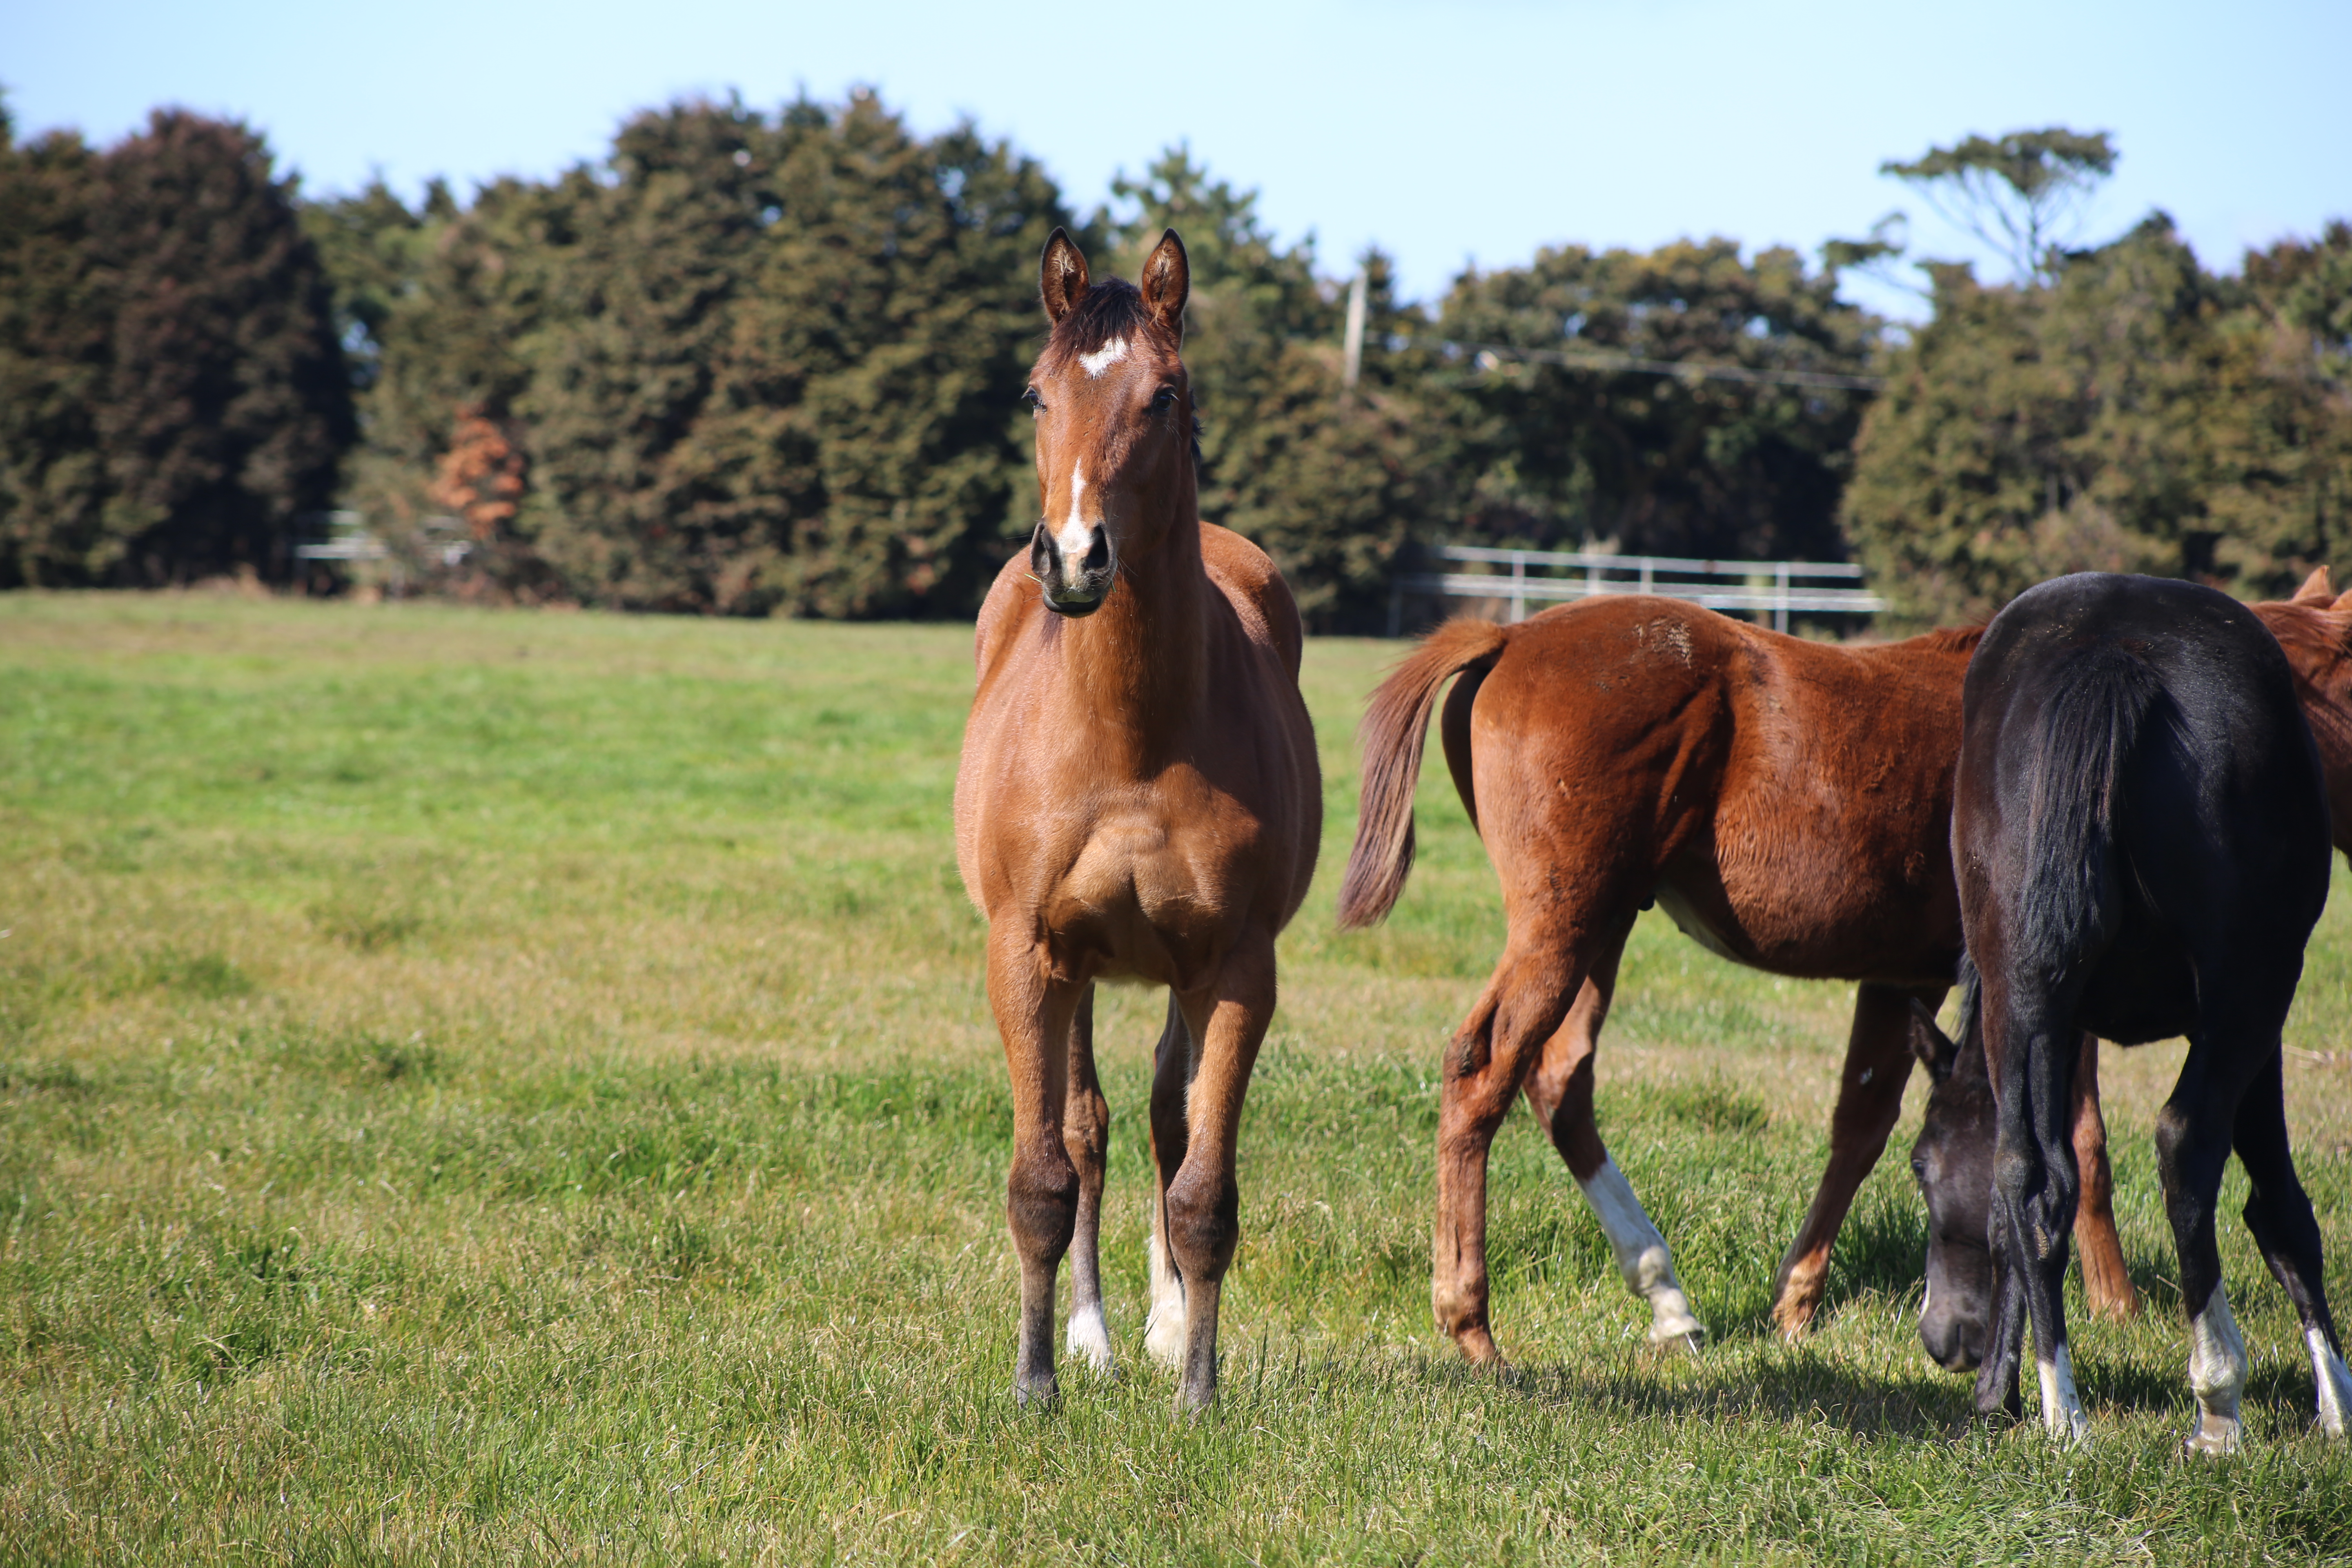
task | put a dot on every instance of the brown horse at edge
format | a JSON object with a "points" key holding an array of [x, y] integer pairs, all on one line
{"points": [[1789, 803], [1138, 800]]}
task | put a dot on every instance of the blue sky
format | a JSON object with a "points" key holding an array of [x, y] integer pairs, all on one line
{"points": [[1447, 134]]}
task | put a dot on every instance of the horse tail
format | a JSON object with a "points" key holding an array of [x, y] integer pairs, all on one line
{"points": [[2098, 707], [1395, 727]]}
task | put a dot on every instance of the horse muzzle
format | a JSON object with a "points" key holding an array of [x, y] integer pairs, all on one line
{"points": [[1075, 574]]}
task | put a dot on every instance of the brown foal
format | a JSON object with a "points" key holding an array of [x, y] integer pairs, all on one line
{"points": [[1138, 801], [1789, 803]]}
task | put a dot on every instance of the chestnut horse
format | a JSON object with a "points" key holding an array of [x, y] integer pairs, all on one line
{"points": [[2140, 826], [1138, 800], [1788, 802]]}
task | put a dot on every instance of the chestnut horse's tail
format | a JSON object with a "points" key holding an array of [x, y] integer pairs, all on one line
{"points": [[1395, 726]]}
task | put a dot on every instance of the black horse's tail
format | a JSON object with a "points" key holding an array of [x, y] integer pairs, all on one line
{"points": [[2094, 715]]}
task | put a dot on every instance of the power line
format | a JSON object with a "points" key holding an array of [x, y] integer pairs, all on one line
{"points": [[1491, 356]]}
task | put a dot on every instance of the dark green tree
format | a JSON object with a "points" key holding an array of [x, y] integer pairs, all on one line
{"points": [[179, 398], [54, 348], [1334, 483], [226, 404], [2134, 414], [1559, 447]]}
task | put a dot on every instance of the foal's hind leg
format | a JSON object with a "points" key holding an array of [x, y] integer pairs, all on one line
{"points": [[1086, 1137], [1559, 1091], [2278, 1213], [1870, 1098], [1172, 1076], [1490, 1056]]}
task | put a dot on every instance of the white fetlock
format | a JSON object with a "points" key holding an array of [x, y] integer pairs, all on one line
{"points": [[1090, 1338], [2217, 1376], [1641, 1256], [2063, 1416], [2335, 1382], [1163, 1330]]}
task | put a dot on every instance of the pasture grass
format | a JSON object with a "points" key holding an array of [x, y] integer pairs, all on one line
{"points": [[500, 1086]]}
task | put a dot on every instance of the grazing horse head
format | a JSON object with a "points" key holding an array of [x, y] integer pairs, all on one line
{"points": [[1953, 1163], [1114, 416]]}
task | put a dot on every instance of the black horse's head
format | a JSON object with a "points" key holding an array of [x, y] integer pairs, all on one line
{"points": [[1953, 1161]]}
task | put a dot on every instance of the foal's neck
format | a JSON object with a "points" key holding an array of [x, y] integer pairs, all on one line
{"points": [[1140, 662]]}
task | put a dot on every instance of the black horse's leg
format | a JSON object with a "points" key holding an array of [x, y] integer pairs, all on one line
{"points": [[2192, 1144], [2278, 1213], [2035, 1185]]}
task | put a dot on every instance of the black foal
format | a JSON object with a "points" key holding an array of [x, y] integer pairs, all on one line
{"points": [[2142, 842]]}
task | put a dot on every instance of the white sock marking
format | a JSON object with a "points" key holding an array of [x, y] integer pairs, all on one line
{"points": [[2063, 1416], [1091, 1337], [1103, 358], [2217, 1375], [1163, 1330], [1641, 1253], [1075, 535], [2335, 1381]]}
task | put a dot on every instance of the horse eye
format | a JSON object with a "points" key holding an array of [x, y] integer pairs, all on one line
{"points": [[1919, 1169], [1032, 397], [1164, 398]]}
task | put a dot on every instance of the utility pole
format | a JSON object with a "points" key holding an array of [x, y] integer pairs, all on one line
{"points": [[1354, 362]]}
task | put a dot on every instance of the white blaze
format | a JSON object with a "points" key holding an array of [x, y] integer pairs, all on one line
{"points": [[1641, 1253], [1076, 535], [1103, 358]]}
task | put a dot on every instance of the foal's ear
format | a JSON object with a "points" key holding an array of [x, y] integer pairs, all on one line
{"points": [[1933, 1048], [2316, 590], [1061, 276], [1167, 282]]}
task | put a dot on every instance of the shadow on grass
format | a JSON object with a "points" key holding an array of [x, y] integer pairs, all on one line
{"points": [[1803, 1388]]}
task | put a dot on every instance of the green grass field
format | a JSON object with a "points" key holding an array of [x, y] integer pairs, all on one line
{"points": [[496, 1085]]}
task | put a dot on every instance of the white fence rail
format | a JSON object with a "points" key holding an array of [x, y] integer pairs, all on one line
{"points": [[1779, 587]]}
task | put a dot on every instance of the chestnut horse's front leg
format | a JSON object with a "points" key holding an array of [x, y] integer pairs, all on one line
{"points": [[2106, 1282], [1869, 1100], [1086, 1138], [1036, 1015], [1202, 1204]]}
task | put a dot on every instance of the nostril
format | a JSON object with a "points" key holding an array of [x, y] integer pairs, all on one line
{"points": [[1099, 552], [1041, 551]]}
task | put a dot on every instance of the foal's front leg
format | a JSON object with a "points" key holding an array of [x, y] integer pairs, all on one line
{"points": [[1202, 1204], [1034, 1017], [1086, 1138]]}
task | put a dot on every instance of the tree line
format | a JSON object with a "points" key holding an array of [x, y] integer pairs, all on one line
{"points": [[753, 363]]}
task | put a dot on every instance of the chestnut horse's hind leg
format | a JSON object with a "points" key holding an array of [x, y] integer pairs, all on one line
{"points": [[1202, 1204], [1490, 1056], [1086, 1138], [1870, 1098], [1171, 1078], [1042, 1192], [1559, 1092], [2106, 1283], [2278, 1213]]}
